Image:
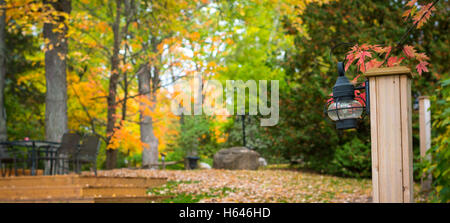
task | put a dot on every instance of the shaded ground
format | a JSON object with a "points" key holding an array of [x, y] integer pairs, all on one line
{"points": [[253, 186]]}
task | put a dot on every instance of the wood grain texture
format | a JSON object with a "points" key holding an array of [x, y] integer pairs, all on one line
{"points": [[425, 137], [374, 137], [391, 136], [406, 136]]}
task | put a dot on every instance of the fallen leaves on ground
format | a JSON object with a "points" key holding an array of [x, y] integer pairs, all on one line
{"points": [[258, 186]]}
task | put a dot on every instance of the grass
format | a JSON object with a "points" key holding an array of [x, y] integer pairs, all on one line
{"points": [[168, 190]]}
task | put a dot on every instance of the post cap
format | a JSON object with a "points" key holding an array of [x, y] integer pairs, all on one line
{"points": [[385, 71], [424, 97]]}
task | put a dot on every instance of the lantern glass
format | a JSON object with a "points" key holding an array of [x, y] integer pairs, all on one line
{"points": [[345, 109]]}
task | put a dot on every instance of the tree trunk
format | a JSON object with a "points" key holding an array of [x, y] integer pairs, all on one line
{"points": [[3, 135], [150, 149], [55, 74], [111, 154]]}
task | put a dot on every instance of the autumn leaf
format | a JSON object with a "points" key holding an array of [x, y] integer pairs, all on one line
{"points": [[421, 57], [394, 61], [406, 13], [354, 48], [355, 79], [253, 186], [422, 66], [423, 15], [377, 49], [360, 97], [361, 57], [350, 58], [387, 50], [373, 64], [365, 47], [411, 3], [409, 51]]}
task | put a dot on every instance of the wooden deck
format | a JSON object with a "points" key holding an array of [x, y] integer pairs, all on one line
{"points": [[77, 189]]}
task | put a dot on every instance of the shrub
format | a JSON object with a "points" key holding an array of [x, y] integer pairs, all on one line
{"points": [[353, 159]]}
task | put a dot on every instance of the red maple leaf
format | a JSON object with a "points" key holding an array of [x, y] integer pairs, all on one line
{"points": [[377, 48], [421, 57], [350, 58], [373, 64], [406, 14], [355, 79], [425, 11], [387, 50], [422, 66], [393, 61], [365, 47], [409, 51], [411, 3], [361, 57], [331, 97], [361, 97]]}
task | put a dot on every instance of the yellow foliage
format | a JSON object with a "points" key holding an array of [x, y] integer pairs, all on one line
{"points": [[126, 139], [195, 36]]}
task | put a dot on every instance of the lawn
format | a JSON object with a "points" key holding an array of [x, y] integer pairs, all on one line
{"points": [[268, 185]]}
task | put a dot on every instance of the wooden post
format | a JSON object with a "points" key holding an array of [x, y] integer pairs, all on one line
{"points": [[391, 134], [425, 137]]}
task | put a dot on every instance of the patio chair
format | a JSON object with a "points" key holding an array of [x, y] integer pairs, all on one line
{"points": [[88, 153], [66, 152]]}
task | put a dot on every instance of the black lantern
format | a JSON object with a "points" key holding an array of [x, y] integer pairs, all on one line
{"points": [[192, 161], [345, 107]]}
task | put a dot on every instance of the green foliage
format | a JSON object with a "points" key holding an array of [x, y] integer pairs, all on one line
{"points": [[259, 43], [303, 131], [23, 99], [440, 150], [194, 138], [255, 137], [353, 159]]}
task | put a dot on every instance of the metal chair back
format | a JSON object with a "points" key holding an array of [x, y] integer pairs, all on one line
{"points": [[69, 144], [4, 152], [89, 148]]}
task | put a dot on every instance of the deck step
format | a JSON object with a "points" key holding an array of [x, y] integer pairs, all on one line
{"points": [[120, 181], [40, 192], [113, 191], [137, 199], [62, 180], [75, 188], [50, 200], [30, 181]]}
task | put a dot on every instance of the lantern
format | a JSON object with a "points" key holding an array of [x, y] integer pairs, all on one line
{"points": [[346, 107]]}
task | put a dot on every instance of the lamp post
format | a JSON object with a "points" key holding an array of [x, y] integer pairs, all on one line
{"points": [[243, 130], [389, 100], [163, 160]]}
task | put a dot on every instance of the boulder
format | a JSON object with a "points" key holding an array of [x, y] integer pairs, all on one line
{"points": [[204, 166], [236, 158]]}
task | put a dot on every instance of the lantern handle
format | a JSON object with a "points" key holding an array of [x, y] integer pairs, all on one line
{"points": [[341, 70], [339, 45]]}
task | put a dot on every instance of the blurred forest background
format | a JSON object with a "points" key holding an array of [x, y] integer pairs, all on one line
{"points": [[121, 57]]}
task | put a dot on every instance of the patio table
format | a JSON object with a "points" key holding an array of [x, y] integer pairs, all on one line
{"points": [[33, 147]]}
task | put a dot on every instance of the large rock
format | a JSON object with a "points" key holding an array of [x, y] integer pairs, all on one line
{"points": [[236, 158]]}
